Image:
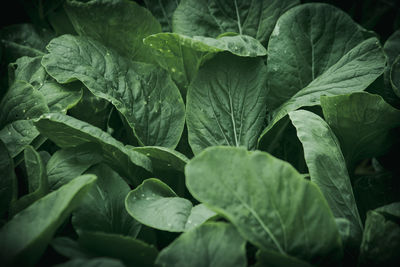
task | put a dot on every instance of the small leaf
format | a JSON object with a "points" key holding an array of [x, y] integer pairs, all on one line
{"points": [[7, 180], [103, 209], [154, 204]]}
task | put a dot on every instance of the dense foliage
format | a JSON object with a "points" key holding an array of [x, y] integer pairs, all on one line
{"points": [[198, 133]]}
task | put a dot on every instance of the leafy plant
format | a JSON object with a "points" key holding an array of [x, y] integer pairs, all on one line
{"points": [[198, 133]]}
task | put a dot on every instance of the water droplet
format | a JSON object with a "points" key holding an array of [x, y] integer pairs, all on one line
{"points": [[148, 154], [169, 224], [9, 133], [147, 198], [169, 165], [107, 54], [23, 110], [145, 102], [173, 69], [151, 44], [189, 221], [142, 195], [27, 118]]}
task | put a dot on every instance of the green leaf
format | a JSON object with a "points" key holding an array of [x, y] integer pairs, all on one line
{"points": [[39, 222], [327, 167], [226, 103], [268, 201], [182, 55], [103, 209], [211, 244], [24, 40], [65, 131], [370, 115], [59, 98], [65, 164], [306, 42], [211, 18], [381, 241], [163, 11], [132, 252], [392, 48], [7, 180], [144, 94], [163, 158], [118, 24], [96, 262], [155, 204], [38, 185], [352, 73]]}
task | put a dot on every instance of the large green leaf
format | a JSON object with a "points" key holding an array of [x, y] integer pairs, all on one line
{"points": [[144, 94], [65, 164], [306, 42], [163, 11], [327, 167], [226, 103], [211, 244], [25, 237], [381, 241], [182, 55], [352, 73], [155, 204], [370, 115], [211, 18], [132, 252], [7, 180], [119, 24], [307, 61], [103, 209], [268, 201], [69, 248], [65, 131], [38, 185]]}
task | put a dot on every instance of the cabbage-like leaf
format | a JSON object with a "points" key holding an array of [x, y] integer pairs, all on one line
{"points": [[268, 201], [39, 222], [226, 103], [381, 241], [163, 11], [307, 60], [155, 204], [182, 55], [118, 24], [144, 94], [131, 251], [212, 18], [66, 131], [370, 115], [38, 185], [211, 244], [67, 163], [327, 167], [103, 210]]}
